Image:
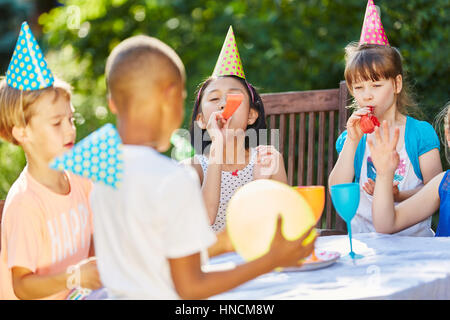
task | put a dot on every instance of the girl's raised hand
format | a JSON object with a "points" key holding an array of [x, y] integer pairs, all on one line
{"points": [[354, 132], [268, 161], [383, 150], [217, 125]]}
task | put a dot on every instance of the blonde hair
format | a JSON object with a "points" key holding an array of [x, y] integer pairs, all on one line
{"points": [[374, 62], [16, 105], [442, 122]]}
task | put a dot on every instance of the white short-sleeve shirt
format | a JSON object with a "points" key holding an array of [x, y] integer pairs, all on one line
{"points": [[230, 182], [157, 213]]}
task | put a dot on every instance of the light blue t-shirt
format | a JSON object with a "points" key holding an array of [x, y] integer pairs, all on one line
{"points": [[420, 137]]}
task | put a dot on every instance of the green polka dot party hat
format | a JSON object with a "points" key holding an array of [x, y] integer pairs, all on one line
{"points": [[98, 157], [28, 69], [229, 61]]}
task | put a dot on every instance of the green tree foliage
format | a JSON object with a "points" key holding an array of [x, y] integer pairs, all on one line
{"points": [[12, 13], [285, 45]]}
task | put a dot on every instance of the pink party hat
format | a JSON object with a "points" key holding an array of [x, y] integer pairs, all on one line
{"points": [[372, 30], [229, 62]]}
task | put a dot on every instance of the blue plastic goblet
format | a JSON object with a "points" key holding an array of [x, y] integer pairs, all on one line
{"points": [[345, 199]]}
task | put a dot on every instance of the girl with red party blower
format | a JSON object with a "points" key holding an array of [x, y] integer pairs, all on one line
{"points": [[375, 77]]}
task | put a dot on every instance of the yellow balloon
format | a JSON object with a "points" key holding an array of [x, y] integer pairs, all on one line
{"points": [[252, 215]]}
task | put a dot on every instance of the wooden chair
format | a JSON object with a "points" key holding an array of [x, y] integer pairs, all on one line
{"points": [[313, 120], [2, 203]]}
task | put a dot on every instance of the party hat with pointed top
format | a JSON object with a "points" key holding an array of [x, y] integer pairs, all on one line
{"points": [[28, 69], [372, 30], [229, 62], [98, 157]]}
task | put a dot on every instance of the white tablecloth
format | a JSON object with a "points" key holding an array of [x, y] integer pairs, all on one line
{"points": [[393, 267]]}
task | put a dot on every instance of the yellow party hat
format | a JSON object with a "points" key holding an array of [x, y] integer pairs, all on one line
{"points": [[229, 62]]}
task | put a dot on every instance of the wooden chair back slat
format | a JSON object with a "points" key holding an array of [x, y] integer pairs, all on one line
{"points": [[343, 102], [308, 123], [291, 149], [301, 149], [282, 131], [311, 133], [292, 102], [321, 146], [329, 207]]}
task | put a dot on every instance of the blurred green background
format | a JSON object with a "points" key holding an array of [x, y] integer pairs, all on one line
{"points": [[285, 45]]}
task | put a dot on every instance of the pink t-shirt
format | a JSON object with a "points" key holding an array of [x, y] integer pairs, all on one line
{"points": [[43, 231]]}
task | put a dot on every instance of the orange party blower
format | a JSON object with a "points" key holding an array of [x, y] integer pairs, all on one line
{"points": [[233, 102]]}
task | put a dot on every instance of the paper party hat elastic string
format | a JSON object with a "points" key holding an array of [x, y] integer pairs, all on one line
{"points": [[249, 86]]}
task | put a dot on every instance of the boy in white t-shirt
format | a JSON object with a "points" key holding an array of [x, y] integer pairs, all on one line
{"points": [[150, 231]]}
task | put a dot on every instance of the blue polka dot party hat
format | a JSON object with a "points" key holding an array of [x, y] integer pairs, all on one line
{"points": [[98, 157], [28, 69]]}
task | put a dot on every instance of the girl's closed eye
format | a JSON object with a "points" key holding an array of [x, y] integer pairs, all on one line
{"points": [[214, 97]]}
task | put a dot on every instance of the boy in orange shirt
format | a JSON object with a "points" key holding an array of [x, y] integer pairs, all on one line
{"points": [[47, 221]]}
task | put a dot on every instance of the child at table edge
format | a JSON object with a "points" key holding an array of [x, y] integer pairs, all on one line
{"points": [[435, 195], [375, 77], [46, 224], [228, 160]]}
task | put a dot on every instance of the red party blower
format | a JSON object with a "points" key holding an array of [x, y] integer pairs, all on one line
{"points": [[368, 122]]}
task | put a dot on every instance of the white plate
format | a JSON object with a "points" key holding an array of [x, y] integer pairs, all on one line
{"points": [[218, 267], [326, 258]]}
